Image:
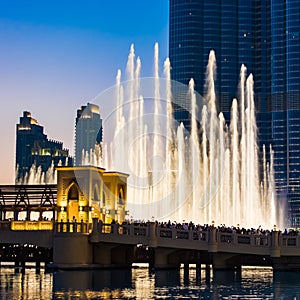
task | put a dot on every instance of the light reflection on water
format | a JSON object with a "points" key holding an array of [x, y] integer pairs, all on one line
{"points": [[138, 283]]}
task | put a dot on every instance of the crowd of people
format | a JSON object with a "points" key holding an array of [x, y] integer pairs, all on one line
{"points": [[221, 228]]}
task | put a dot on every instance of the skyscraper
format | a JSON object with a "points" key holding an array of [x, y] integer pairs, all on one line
{"points": [[88, 131], [265, 36], [285, 92], [34, 148], [234, 29]]}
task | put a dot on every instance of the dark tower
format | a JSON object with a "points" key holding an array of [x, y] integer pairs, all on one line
{"points": [[88, 130], [34, 148]]}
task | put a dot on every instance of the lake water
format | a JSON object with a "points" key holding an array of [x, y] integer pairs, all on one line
{"points": [[138, 283]]}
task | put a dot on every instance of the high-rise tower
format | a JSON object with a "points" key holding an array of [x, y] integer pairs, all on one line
{"points": [[88, 131], [34, 148], [265, 36]]}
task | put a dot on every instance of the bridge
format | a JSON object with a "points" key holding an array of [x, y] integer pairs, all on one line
{"points": [[99, 245], [222, 250], [94, 200]]}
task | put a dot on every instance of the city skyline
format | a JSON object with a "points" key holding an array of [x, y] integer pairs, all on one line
{"points": [[50, 66]]}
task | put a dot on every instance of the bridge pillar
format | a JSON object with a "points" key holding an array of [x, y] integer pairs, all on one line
{"points": [[207, 273], [186, 273], [112, 255], [102, 254], [37, 265], [71, 250], [220, 262], [28, 214], [198, 273], [275, 250], [162, 261]]}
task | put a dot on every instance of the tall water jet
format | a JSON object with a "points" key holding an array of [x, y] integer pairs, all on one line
{"points": [[211, 98], [120, 123], [194, 149], [235, 162], [243, 156], [182, 173], [170, 176], [205, 170], [157, 145], [223, 193]]}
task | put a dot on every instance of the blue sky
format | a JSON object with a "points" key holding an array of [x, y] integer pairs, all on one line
{"points": [[57, 55]]}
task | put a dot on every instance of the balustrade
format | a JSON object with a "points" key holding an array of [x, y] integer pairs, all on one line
{"points": [[74, 227], [143, 229]]}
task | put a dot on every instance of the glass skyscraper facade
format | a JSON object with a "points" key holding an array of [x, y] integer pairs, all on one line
{"points": [[263, 35], [285, 91], [88, 131]]}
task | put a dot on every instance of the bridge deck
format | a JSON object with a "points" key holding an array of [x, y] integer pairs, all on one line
{"points": [[274, 244], [211, 244]]}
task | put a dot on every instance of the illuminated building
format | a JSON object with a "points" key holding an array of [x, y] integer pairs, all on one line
{"points": [[85, 192], [88, 131], [34, 148]]}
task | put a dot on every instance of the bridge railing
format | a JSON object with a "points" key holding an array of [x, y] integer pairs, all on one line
{"points": [[210, 235], [244, 239], [26, 225], [289, 241], [143, 229], [5, 225], [72, 227], [181, 234], [122, 229]]}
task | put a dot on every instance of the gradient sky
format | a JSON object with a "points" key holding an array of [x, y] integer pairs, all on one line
{"points": [[57, 55]]}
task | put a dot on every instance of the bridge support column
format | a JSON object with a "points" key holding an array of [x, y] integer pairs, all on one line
{"points": [[198, 273], [102, 254], [220, 262], [38, 265], [207, 273], [161, 259], [28, 215], [186, 273], [112, 256], [71, 250]]}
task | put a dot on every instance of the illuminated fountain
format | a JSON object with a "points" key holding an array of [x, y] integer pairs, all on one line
{"points": [[208, 174], [37, 176]]}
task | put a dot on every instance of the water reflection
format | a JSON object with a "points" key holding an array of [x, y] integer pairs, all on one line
{"points": [[139, 283], [257, 283], [25, 285]]}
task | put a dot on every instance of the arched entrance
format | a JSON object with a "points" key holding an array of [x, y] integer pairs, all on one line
{"points": [[73, 202]]}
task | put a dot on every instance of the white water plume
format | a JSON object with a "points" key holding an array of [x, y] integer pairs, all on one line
{"points": [[208, 174]]}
